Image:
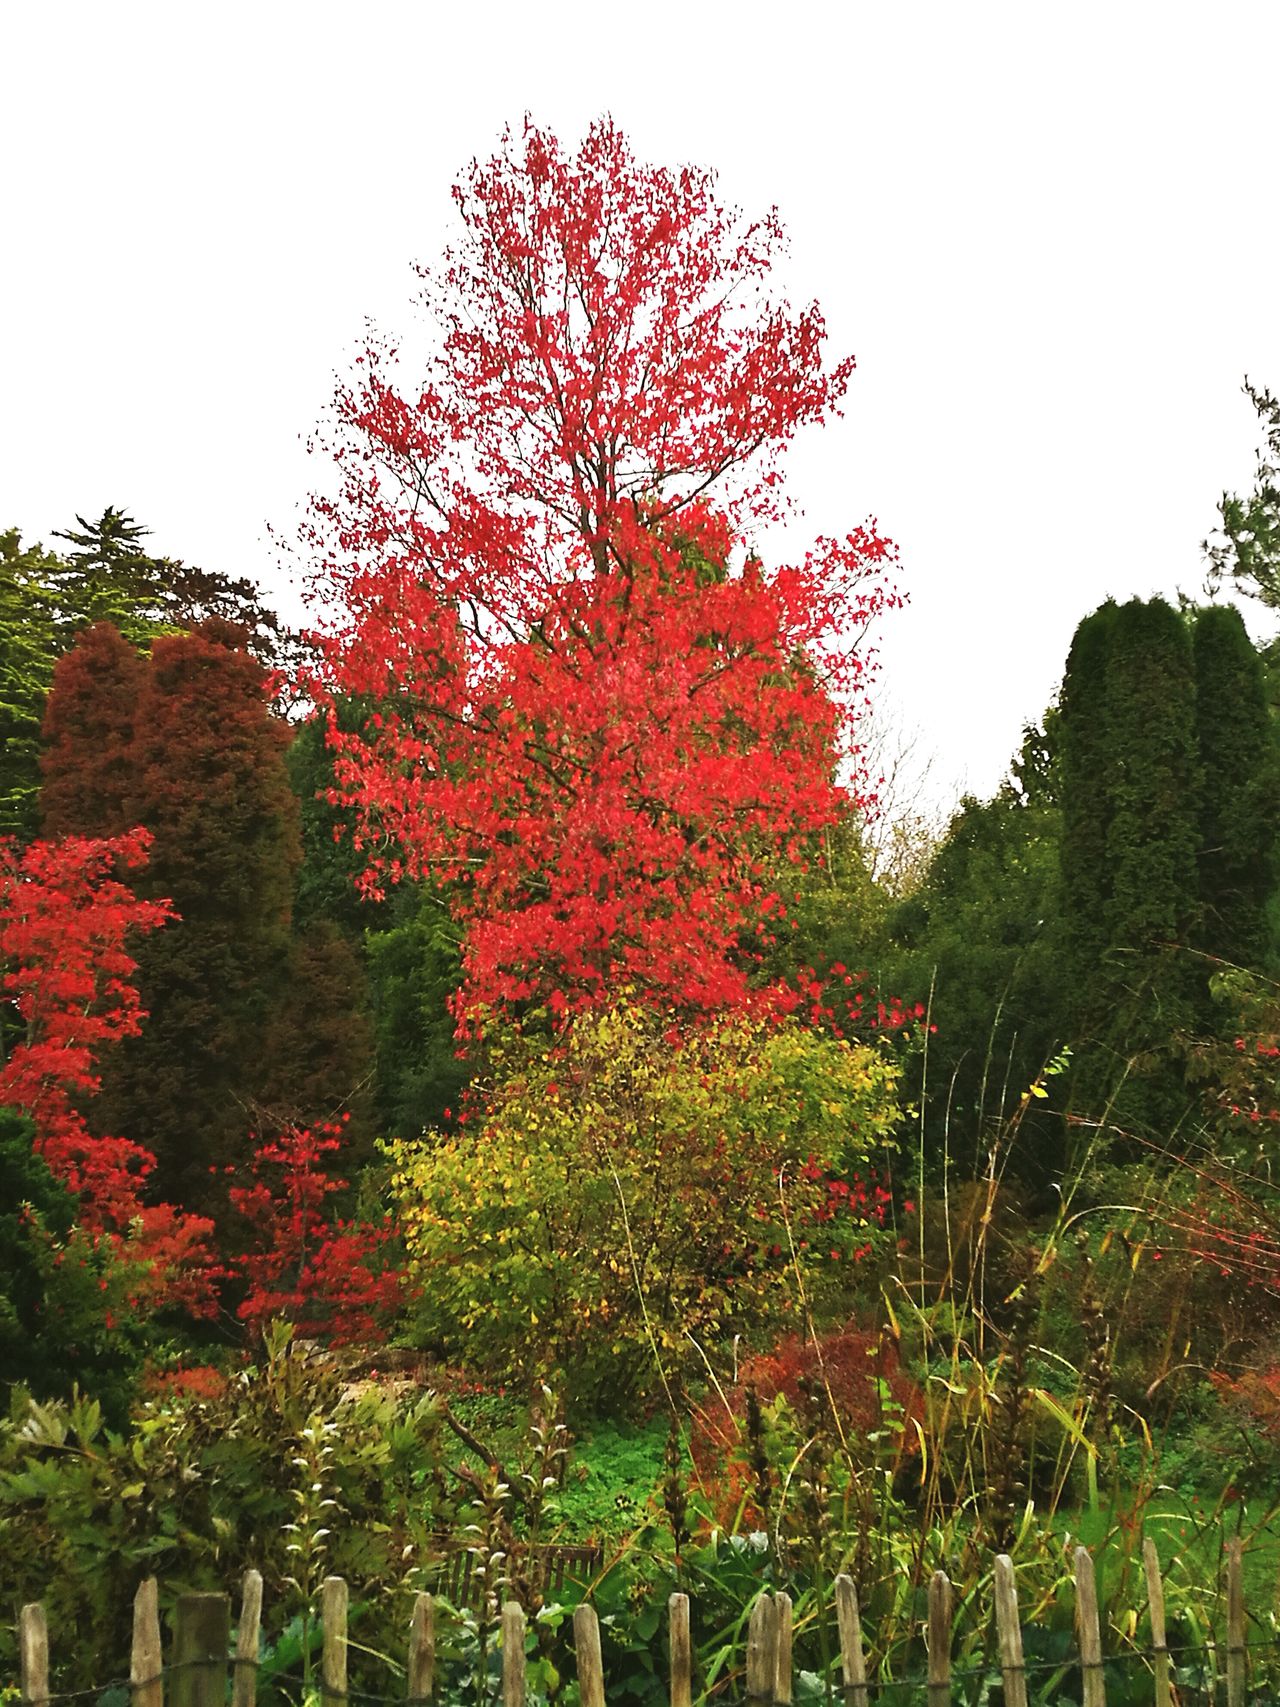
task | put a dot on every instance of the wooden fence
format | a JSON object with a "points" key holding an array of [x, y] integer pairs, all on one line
{"points": [[201, 1663]]}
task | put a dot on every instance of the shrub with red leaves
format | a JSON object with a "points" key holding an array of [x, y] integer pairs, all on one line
{"points": [[330, 1278], [852, 1375]]}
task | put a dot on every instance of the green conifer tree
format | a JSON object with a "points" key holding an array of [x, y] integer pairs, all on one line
{"points": [[1240, 799], [1130, 793], [28, 607], [87, 760]]}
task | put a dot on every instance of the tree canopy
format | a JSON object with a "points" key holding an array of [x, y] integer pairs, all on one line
{"points": [[602, 723]]}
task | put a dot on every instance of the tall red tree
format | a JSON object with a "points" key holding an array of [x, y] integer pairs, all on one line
{"points": [[598, 713]]}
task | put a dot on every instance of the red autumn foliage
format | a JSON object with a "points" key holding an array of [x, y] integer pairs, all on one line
{"points": [[330, 1278], [194, 1381], [599, 717], [65, 921], [853, 1376]]}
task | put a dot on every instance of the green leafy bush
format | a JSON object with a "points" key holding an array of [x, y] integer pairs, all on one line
{"points": [[290, 1470], [635, 1193], [65, 1312]]}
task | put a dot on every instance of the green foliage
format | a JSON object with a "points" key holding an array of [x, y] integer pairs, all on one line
{"points": [[331, 863], [415, 966], [1240, 790], [1248, 553], [28, 608], [623, 1197], [979, 941], [318, 1041], [834, 910], [610, 1477], [284, 1470], [108, 575], [1130, 781], [408, 953], [64, 1309]]}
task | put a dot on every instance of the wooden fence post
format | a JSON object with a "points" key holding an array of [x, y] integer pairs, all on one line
{"points": [[244, 1684], [762, 1650], [782, 1667], [939, 1640], [201, 1634], [1009, 1632], [586, 1642], [422, 1650], [146, 1661], [333, 1622], [513, 1678], [1235, 1623], [852, 1662], [1091, 1674], [1159, 1641], [681, 1651], [33, 1640]]}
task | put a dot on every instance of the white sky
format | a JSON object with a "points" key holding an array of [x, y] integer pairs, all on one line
{"points": [[1049, 235]]}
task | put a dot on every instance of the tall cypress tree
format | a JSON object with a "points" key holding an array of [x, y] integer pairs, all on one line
{"points": [[87, 761], [1130, 791], [250, 1025], [1240, 799], [208, 780], [1085, 805]]}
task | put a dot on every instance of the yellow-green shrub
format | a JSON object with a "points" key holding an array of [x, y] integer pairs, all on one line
{"points": [[632, 1190]]}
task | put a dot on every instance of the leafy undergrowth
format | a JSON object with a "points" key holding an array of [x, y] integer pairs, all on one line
{"points": [[612, 1472]]}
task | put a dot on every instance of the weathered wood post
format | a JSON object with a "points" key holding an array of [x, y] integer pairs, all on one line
{"points": [[852, 1661], [1235, 1623], [1159, 1641], [586, 1642], [333, 1622], [762, 1651], [939, 1640], [782, 1669], [421, 1679], [201, 1636], [33, 1642], [681, 1651], [146, 1661], [513, 1679], [244, 1684], [1009, 1633], [1091, 1673]]}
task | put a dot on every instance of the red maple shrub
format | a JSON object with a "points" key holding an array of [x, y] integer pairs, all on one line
{"points": [[848, 1382], [189, 1381], [66, 974], [599, 718], [331, 1278]]}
